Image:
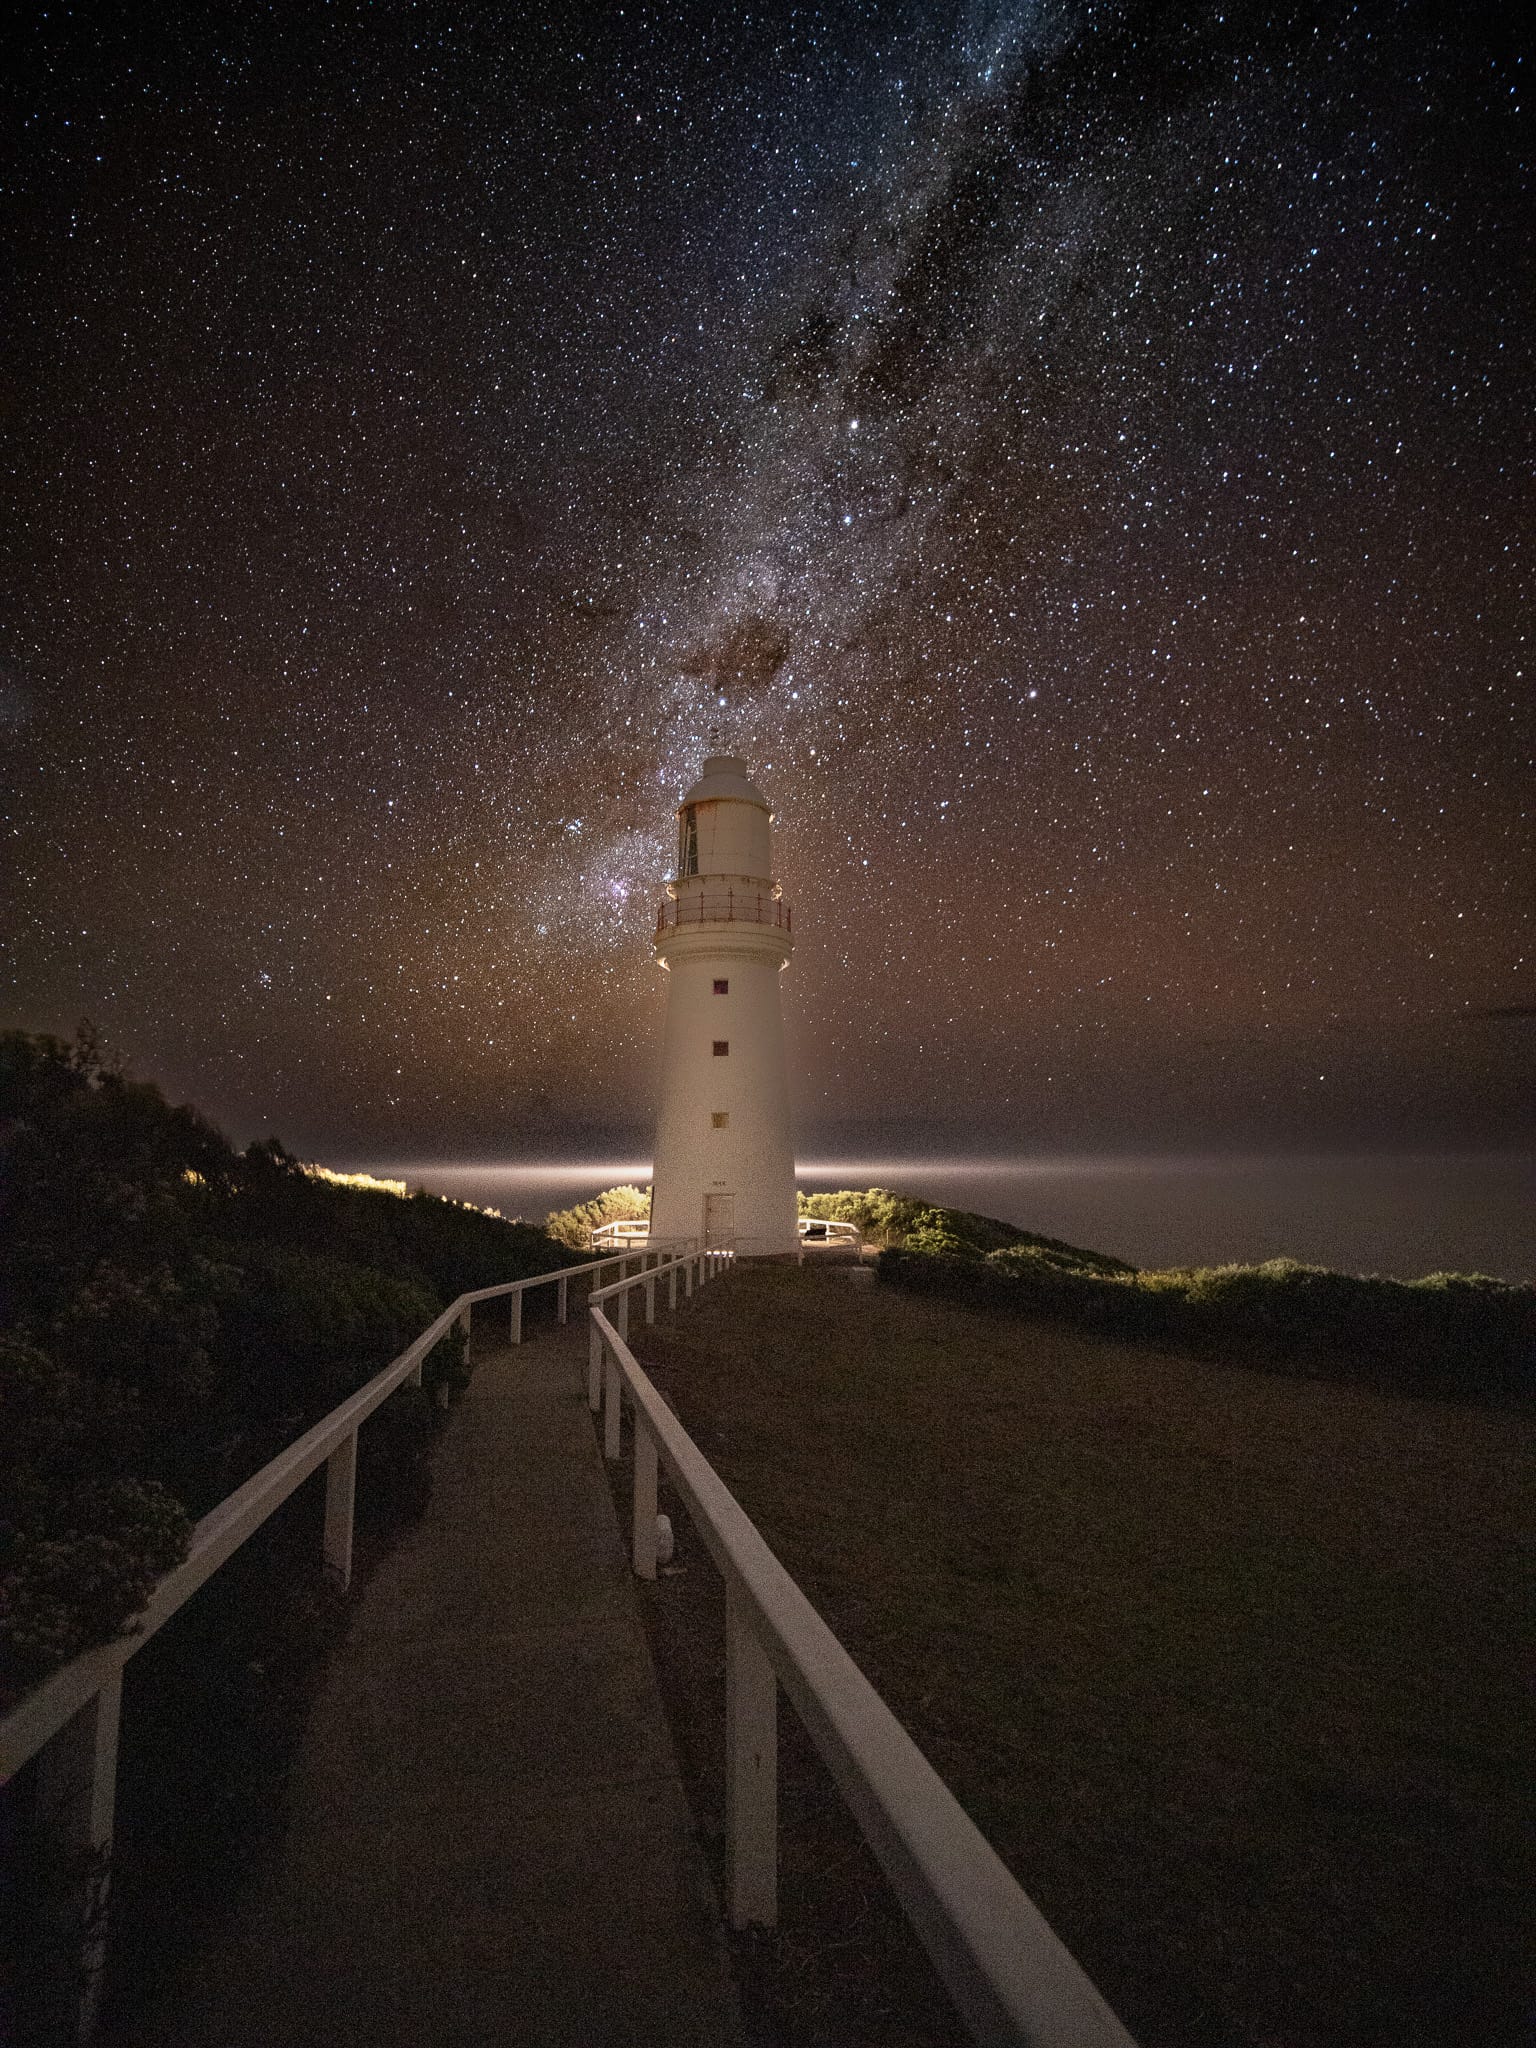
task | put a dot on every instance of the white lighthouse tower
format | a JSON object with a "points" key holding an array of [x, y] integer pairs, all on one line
{"points": [[724, 1167]]}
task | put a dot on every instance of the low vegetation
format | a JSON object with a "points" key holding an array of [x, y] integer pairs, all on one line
{"points": [[1456, 1335], [886, 1220], [575, 1226], [173, 1312]]}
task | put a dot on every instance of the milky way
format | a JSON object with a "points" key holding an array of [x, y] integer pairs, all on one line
{"points": [[1078, 453]]}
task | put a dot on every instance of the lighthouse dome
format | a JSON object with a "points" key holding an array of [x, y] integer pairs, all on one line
{"points": [[725, 775]]}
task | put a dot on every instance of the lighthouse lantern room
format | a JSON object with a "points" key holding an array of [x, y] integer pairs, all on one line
{"points": [[724, 1169]]}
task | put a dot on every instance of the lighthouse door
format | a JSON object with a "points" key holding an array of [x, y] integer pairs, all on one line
{"points": [[719, 1219]]}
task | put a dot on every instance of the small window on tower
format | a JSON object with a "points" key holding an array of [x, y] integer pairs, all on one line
{"points": [[720, 1119], [722, 988], [722, 1048]]}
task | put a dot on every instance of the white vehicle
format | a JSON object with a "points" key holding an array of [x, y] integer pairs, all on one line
{"points": [[821, 1230]]}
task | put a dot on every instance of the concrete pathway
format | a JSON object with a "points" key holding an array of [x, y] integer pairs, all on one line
{"points": [[490, 1840]]}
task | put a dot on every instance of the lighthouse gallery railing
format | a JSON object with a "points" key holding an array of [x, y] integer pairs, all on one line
{"points": [[725, 906]]}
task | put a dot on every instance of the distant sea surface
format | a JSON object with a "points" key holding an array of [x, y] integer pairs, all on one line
{"points": [[1401, 1215]]}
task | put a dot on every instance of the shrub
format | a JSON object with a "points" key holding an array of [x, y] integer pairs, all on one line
{"points": [[171, 1313], [890, 1220], [574, 1226], [1452, 1335]]}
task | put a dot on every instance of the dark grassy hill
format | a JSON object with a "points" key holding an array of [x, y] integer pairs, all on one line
{"points": [[1223, 1662]]}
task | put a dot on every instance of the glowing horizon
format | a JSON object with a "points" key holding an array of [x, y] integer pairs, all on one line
{"points": [[875, 1171]]}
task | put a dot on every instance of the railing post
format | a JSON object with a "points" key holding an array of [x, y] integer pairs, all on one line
{"points": [[621, 1321], [644, 1525], [562, 1299], [751, 1772], [515, 1321], [595, 1368], [611, 1406], [76, 1797], [672, 1286], [688, 1275], [340, 1493], [463, 1328], [416, 1371], [650, 1300]]}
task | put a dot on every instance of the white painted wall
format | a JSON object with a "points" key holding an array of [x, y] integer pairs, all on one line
{"points": [[752, 1157]]}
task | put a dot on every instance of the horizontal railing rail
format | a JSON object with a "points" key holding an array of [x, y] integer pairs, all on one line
{"points": [[44, 1710], [1011, 1977], [693, 1267], [726, 906]]}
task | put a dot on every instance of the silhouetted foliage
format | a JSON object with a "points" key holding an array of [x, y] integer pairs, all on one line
{"points": [[574, 1226], [1460, 1336], [172, 1312], [887, 1219]]}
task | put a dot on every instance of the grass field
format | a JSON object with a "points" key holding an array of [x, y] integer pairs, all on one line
{"points": [[1225, 1665]]}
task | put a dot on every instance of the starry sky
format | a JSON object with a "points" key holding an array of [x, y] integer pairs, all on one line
{"points": [[1078, 452]]}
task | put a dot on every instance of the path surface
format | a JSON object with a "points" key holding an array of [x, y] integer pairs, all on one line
{"points": [[490, 1840]]}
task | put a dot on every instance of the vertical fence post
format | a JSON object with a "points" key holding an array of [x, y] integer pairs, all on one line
{"points": [[688, 1276], [672, 1286], [594, 1368], [650, 1300], [644, 1524], [611, 1410], [340, 1493], [622, 1323], [515, 1318], [751, 1772], [416, 1370], [76, 1795], [442, 1385], [562, 1299]]}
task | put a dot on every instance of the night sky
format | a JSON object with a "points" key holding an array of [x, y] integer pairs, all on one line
{"points": [[1079, 453]]}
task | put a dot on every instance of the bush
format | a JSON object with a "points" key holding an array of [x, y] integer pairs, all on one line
{"points": [[891, 1220], [1462, 1336], [574, 1226], [300, 1330], [171, 1313]]}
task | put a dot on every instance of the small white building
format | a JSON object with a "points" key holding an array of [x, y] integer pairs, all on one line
{"points": [[724, 1168]]}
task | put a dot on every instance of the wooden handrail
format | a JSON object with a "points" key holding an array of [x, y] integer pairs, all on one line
{"points": [[1011, 1977]]}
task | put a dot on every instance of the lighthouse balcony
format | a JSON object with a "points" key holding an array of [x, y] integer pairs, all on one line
{"points": [[724, 906]]}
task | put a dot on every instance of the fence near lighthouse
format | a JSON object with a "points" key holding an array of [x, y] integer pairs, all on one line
{"points": [[1010, 1976], [70, 1720]]}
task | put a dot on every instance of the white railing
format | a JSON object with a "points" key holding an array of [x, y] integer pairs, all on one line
{"points": [[72, 1715], [1011, 1978], [625, 1230]]}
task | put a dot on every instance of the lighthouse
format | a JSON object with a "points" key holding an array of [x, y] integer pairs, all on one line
{"points": [[724, 1169]]}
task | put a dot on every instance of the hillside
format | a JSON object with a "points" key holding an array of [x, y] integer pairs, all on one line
{"points": [[1223, 1662]]}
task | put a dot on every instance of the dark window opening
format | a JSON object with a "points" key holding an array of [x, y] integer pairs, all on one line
{"points": [[720, 1119], [722, 1048], [722, 988]]}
